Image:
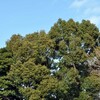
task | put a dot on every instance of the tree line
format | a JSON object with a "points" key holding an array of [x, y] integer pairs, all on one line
{"points": [[63, 64]]}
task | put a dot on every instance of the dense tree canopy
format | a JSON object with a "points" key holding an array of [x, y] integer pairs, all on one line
{"points": [[63, 64]]}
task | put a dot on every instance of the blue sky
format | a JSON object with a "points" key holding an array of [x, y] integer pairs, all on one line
{"points": [[27, 16]]}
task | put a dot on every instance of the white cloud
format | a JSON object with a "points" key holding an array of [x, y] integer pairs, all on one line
{"points": [[87, 9], [92, 10], [95, 19], [78, 3]]}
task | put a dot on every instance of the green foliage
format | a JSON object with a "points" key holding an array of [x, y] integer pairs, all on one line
{"points": [[91, 85], [84, 96], [5, 61], [61, 65]]}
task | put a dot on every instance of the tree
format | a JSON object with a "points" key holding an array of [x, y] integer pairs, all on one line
{"points": [[6, 88], [61, 65], [75, 44]]}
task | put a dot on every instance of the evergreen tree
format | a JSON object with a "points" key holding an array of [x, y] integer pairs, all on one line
{"points": [[61, 65]]}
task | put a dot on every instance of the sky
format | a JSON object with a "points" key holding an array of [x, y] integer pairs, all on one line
{"points": [[28, 16]]}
